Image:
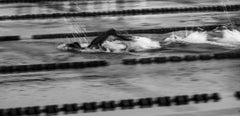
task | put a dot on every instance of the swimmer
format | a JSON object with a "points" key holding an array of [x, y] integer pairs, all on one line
{"points": [[110, 41]]}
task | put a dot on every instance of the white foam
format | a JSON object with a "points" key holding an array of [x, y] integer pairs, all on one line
{"points": [[137, 44], [173, 38], [143, 43], [114, 46], [231, 38], [196, 37]]}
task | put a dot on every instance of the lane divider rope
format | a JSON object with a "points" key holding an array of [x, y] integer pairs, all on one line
{"points": [[135, 31], [215, 8], [131, 61], [237, 95], [165, 101], [51, 66], [10, 38], [187, 58], [31, 1]]}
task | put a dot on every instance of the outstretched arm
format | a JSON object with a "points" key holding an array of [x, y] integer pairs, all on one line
{"points": [[100, 39]]}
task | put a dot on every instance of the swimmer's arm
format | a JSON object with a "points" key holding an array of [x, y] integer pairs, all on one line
{"points": [[97, 42]]}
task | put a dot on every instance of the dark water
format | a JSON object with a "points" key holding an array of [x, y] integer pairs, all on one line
{"points": [[115, 81]]}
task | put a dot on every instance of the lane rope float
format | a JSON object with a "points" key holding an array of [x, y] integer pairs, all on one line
{"points": [[10, 38], [237, 95], [31, 1], [73, 108], [216, 8], [135, 31], [186, 58], [51, 66]]}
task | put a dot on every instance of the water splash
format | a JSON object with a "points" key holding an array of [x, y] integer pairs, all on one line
{"points": [[137, 44], [144, 43], [193, 37], [230, 38], [114, 46], [173, 38], [197, 37]]}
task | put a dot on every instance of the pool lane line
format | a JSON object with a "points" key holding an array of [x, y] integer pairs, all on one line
{"points": [[102, 63], [112, 105], [10, 38], [128, 12], [133, 31], [52, 66], [177, 59], [32, 1]]}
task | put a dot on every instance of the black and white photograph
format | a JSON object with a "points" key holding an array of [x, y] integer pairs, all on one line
{"points": [[119, 57]]}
